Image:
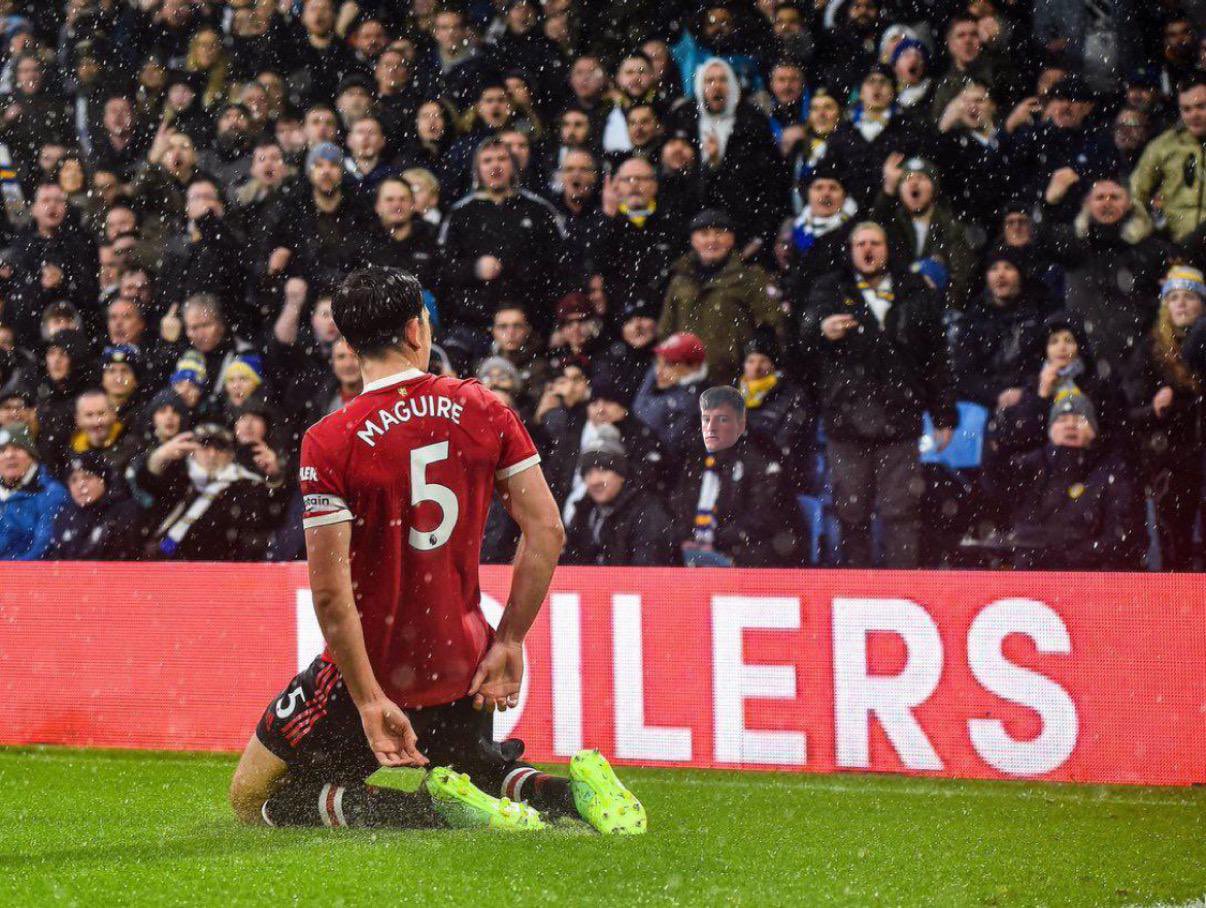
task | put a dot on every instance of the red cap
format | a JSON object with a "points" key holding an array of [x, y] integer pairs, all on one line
{"points": [[574, 306], [682, 348]]}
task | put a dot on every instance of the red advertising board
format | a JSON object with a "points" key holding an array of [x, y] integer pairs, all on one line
{"points": [[1067, 677]]}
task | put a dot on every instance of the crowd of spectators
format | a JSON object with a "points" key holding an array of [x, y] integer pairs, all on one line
{"points": [[750, 272]]}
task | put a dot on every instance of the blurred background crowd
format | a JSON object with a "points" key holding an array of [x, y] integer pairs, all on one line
{"points": [[772, 283]]}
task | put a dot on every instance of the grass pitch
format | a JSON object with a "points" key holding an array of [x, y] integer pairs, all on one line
{"points": [[101, 827]]}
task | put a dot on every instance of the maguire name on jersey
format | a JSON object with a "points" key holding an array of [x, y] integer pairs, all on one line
{"points": [[405, 410]]}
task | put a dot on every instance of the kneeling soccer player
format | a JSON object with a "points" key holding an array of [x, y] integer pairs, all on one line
{"points": [[397, 485]]}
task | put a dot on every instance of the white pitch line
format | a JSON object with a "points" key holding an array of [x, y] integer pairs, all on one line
{"points": [[804, 781], [807, 783]]}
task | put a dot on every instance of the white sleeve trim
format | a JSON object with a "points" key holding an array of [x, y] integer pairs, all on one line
{"points": [[515, 468], [310, 523]]}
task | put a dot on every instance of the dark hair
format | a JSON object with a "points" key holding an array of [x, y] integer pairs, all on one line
{"points": [[372, 307], [1189, 83], [723, 396], [959, 19]]}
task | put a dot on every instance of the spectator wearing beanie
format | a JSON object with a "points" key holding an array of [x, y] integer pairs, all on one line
{"points": [[734, 504], [668, 399], [121, 376], [996, 341], [560, 419], [779, 409], [608, 415], [576, 338], [1166, 412], [1076, 506], [627, 359], [100, 522], [29, 497], [819, 233], [876, 129], [920, 224], [1068, 367], [616, 524], [716, 297], [69, 369], [318, 232], [876, 334], [1062, 147]]}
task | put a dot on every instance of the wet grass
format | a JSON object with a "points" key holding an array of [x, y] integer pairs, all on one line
{"points": [[104, 827]]}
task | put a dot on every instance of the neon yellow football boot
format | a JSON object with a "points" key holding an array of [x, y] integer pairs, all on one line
{"points": [[465, 806], [601, 798]]}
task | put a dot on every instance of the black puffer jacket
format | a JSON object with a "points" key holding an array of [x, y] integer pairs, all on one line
{"points": [[995, 347], [874, 384], [635, 532], [1113, 278], [1077, 510], [107, 530]]}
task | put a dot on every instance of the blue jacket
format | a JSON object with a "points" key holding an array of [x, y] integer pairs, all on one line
{"points": [[27, 518]]}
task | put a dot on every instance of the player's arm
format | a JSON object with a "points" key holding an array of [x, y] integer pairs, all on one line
{"points": [[389, 732], [527, 498]]}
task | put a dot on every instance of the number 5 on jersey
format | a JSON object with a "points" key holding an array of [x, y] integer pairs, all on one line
{"points": [[421, 490]]}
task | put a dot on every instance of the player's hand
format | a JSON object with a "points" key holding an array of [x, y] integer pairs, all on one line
{"points": [[942, 438], [390, 735], [496, 683]]}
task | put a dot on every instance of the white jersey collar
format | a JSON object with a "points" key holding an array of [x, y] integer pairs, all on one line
{"points": [[396, 378]]}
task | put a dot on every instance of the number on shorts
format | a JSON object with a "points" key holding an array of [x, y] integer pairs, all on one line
{"points": [[421, 490], [288, 704]]}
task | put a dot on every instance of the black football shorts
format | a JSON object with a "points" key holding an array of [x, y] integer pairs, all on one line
{"points": [[315, 728]]}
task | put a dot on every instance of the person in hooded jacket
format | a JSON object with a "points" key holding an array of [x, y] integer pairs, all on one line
{"points": [[69, 370], [779, 409], [30, 498], [742, 169], [819, 234], [1113, 266], [1168, 417], [996, 343], [1068, 366], [101, 523], [616, 524]]}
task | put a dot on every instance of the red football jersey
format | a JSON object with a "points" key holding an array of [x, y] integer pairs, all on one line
{"points": [[412, 463]]}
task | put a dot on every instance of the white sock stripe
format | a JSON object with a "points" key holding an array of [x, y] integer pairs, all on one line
{"points": [[264, 814], [513, 783], [339, 806], [322, 805]]}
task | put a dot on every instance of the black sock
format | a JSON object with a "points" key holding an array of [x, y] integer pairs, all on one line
{"points": [[548, 794], [354, 805]]}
